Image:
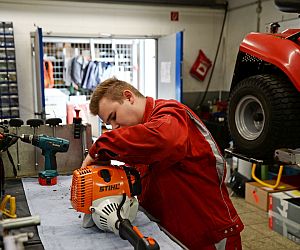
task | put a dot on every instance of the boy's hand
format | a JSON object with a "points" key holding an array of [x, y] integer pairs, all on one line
{"points": [[87, 161], [90, 161]]}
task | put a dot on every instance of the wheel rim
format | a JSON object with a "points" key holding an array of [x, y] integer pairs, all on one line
{"points": [[249, 117]]}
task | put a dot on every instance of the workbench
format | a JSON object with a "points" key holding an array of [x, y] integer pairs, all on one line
{"points": [[61, 225]]}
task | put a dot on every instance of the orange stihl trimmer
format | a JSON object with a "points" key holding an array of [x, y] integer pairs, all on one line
{"points": [[106, 196]]}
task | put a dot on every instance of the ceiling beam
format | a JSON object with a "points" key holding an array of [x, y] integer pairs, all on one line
{"points": [[215, 4]]}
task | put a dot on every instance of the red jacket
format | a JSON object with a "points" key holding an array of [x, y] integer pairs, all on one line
{"points": [[183, 176]]}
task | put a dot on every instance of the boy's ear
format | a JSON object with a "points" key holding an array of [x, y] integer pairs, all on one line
{"points": [[128, 95]]}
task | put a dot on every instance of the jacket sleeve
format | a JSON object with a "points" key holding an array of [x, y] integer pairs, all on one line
{"points": [[164, 136]]}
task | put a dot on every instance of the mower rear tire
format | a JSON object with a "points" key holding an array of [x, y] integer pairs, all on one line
{"points": [[264, 115]]}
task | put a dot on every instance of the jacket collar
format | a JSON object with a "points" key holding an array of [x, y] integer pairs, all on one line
{"points": [[148, 109]]}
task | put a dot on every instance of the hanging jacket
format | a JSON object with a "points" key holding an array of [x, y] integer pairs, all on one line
{"points": [[78, 69], [182, 176], [48, 74], [92, 76]]}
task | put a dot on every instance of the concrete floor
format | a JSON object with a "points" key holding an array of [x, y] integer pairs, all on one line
{"points": [[257, 235]]}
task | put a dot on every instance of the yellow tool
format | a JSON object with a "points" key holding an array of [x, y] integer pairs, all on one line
{"points": [[11, 212]]}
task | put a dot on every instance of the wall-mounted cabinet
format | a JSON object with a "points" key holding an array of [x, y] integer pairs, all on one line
{"points": [[9, 101]]}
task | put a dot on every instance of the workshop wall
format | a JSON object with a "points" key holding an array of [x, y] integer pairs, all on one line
{"points": [[201, 31]]}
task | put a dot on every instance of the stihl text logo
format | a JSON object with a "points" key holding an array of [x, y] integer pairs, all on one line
{"points": [[110, 187]]}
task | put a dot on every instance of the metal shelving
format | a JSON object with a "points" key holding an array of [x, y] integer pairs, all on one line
{"points": [[9, 100]]}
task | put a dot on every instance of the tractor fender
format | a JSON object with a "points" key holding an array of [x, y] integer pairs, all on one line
{"points": [[277, 50]]}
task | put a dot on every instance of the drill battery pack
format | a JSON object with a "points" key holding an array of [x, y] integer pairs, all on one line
{"points": [[48, 177]]}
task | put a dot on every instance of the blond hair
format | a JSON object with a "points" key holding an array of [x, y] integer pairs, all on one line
{"points": [[112, 89]]}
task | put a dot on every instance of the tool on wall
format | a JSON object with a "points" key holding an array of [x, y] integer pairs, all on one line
{"points": [[79, 128], [106, 196], [16, 123], [35, 123], [53, 122], [77, 122], [5, 142]]}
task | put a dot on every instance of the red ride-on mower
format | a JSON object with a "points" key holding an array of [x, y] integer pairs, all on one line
{"points": [[264, 103]]}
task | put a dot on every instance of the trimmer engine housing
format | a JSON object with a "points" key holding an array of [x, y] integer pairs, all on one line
{"points": [[95, 182]]}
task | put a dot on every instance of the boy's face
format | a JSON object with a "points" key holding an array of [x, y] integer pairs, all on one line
{"points": [[119, 115]]}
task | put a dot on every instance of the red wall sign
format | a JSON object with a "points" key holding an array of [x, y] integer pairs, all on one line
{"points": [[174, 16]]}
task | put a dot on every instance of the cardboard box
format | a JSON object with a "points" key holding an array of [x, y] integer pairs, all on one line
{"points": [[284, 214], [258, 195]]}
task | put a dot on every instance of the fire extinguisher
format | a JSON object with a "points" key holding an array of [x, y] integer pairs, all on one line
{"points": [[201, 66]]}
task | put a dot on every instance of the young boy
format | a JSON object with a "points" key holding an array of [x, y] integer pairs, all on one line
{"points": [[181, 167]]}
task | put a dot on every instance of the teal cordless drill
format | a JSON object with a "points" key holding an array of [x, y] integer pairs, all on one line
{"points": [[50, 146]]}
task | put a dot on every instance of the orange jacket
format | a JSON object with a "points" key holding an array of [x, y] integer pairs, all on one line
{"points": [[48, 74]]}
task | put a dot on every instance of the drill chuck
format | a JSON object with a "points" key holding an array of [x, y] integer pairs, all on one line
{"points": [[26, 138], [32, 139]]}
